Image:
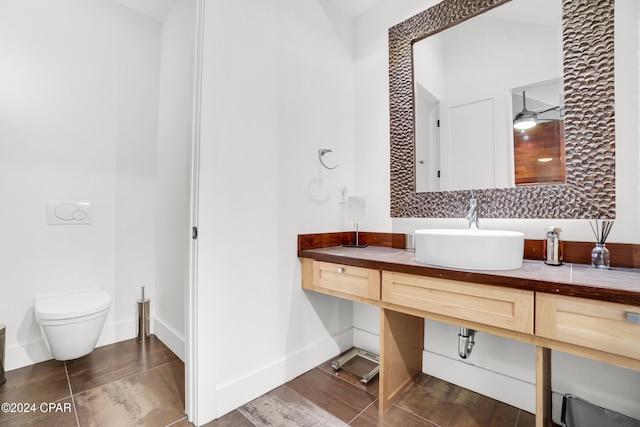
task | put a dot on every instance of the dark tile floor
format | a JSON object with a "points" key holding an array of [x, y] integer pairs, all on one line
{"points": [[123, 384], [324, 397], [131, 383]]}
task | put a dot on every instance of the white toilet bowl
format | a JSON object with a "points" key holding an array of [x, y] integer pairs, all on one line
{"points": [[71, 323]]}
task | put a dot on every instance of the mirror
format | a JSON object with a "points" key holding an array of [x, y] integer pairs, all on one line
{"points": [[464, 78], [589, 187]]}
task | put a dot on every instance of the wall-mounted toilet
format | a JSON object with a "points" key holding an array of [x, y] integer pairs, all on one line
{"points": [[71, 323]]}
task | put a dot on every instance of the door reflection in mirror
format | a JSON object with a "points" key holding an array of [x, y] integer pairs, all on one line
{"points": [[427, 135]]}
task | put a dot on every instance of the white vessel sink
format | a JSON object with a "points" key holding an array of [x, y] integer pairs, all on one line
{"points": [[473, 249]]}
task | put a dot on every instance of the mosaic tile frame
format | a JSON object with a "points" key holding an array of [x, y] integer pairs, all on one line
{"points": [[588, 38]]}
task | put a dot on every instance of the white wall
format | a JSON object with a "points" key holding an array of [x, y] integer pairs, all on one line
{"points": [[278, 85], [511, 379], [78, 121], [372, 105], [172, 175]]}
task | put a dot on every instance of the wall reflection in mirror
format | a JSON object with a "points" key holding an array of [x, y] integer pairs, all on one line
{"points": [[469, 81]]}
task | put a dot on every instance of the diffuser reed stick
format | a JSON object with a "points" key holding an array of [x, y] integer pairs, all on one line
{"points": [[600, 254], [601, 233]]}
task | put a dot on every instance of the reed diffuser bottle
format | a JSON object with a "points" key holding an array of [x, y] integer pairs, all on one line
{"points": [[600, 257]]}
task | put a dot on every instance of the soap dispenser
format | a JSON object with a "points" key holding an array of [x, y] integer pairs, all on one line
{"points": [[552, 247]]}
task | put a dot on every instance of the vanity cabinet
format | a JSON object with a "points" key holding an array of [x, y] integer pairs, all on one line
{"points": [[510, 309], [345, 281], [522, 306], [599, 325]]}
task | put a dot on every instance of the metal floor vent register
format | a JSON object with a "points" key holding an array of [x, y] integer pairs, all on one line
{"points": [[361, 363], [580, 413]]}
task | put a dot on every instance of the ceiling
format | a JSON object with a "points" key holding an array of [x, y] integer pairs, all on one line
{"points": [[158, 9], [354, 8], [154, 9]]}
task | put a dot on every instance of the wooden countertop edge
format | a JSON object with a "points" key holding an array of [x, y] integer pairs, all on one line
{"points": [[620, 296], [624, 255]]}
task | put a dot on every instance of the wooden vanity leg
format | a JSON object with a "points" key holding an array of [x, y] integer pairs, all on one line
{"points": [[401, 347], [543, 387]]}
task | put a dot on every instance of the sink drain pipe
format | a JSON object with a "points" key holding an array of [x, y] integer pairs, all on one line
{"points": [[465, 341]]}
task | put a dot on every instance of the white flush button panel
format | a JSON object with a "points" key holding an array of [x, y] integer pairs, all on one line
{"points": [[65, 212]]}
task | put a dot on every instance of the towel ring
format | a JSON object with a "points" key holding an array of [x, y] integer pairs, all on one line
{"points": [[322, 152]]}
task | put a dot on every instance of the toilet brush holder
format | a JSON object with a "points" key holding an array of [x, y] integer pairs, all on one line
{"points": [[3, 329], [143, 318]]}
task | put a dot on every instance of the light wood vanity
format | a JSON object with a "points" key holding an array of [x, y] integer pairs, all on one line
{"points": [[573, 308]]}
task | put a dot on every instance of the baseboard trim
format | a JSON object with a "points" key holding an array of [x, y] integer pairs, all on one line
{"points": [[510, 390], [21, 355], [236, 393], [366, 340], [169, 337]]}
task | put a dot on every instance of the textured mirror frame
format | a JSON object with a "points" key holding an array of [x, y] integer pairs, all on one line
{"points": [[589, 192]]}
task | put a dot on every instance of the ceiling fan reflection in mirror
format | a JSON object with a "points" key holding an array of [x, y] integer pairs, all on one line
{"points": [[527, 119]]}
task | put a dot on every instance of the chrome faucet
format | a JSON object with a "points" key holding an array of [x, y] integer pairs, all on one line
{"points": [[472, 215]]}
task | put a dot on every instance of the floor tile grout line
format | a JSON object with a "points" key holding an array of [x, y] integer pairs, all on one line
{"points": [[417, 415], [245, 417], [332, 373], [120, 378], [406, 390], [378, 398], [177, 421], [362, 412], [73, 401], [117, 379]]}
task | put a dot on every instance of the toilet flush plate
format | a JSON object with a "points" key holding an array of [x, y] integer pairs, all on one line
{"points": [[66, 212]]}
